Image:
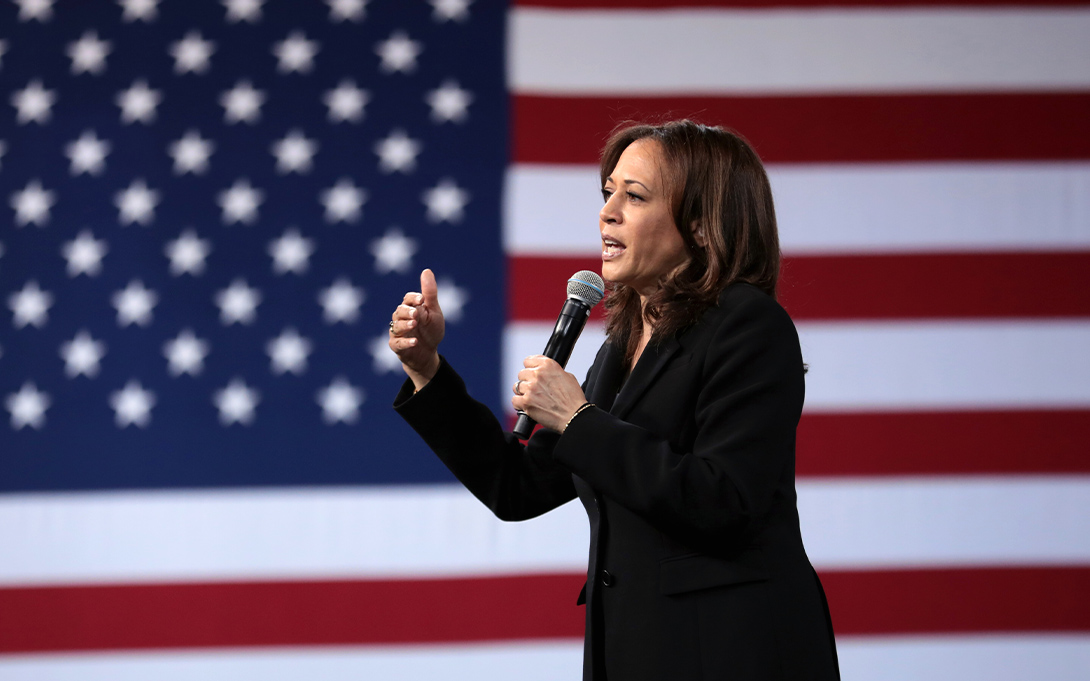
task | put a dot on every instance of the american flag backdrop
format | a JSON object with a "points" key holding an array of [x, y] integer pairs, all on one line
{"points": [[210, 209]]}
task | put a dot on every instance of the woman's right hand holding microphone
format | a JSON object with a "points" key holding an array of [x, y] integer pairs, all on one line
{"points": [[416, 328]]}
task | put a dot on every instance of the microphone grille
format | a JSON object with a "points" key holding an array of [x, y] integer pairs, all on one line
{"points": [[586, 286]]}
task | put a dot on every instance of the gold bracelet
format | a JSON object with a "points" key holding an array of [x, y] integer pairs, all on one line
{"points": [[580, 410]]}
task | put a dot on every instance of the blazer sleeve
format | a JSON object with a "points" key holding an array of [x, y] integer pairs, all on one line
{"points": [[747, 407], [515, 481]]}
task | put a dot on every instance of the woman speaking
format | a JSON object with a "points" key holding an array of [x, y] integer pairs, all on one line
{"points": [[681, 441]]}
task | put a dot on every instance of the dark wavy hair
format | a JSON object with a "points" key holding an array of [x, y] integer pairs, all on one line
{"points": [[714, 179]]}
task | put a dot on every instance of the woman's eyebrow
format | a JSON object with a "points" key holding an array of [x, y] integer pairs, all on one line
{"points": [[637, 182]]}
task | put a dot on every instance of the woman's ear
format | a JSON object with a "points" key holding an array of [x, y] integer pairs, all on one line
{"points": [[698, 234]]}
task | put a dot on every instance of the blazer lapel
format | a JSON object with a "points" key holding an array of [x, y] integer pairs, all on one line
{"points": [[652, 362], [608, 378]]}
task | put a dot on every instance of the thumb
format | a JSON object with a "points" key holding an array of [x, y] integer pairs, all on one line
{"points": [[429, 289]]}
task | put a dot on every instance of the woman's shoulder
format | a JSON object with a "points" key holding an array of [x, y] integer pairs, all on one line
{"points": [[741, 303]]}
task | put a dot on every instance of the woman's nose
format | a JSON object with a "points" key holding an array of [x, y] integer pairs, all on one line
{"points": [[608, 214]]}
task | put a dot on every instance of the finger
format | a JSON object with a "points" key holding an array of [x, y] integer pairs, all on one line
{"points": [[533, 361], [403, 312], [412, 299], [429, 289], [526, 375], [399, 345]]}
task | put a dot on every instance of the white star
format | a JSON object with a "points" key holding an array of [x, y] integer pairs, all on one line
{"points": [[3, 149], [295, 53], [385, 361], [450, 10], [191, 153], [187, 253], [191, 53], [291, 252], [132, 405], [341, 302], [242, 103], [236, 403], [238, 303], [340, 401], [240, 202], [84, 254], [243, 10], [42, 10], [88, 54], [30, 306], [88, 154], [343, 201], [398, 53], [451, 300], [27, 407], [81, 355], [449, 102], [3, 51], [346, 10], [32, 204], [393, 252], [294, 153], [139, 10], [136, 204], [288, 353], [34, 103], [134, 304], [185, 354], [138, 103], [446, 202], [397, 153], [346, 102]]}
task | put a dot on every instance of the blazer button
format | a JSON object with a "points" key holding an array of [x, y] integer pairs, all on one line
{"points": [[605, 578]]}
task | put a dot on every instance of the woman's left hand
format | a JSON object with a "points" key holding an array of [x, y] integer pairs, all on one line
{"points": [[549, 395]]}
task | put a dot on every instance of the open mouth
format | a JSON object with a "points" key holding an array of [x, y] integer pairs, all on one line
{"points": [[611, 248]]}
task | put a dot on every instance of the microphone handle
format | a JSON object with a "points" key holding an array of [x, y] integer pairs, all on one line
{"points": [[570, 323]]}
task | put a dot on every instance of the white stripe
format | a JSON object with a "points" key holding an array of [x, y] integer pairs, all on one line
{"points": [[719, 51], [857, 366], [918, 207]]}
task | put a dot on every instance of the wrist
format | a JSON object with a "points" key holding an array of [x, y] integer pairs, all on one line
{"points": [[421, 376], [582, 408]]}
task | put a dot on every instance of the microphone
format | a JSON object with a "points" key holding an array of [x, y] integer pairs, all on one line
{"points": [[585, 290]]}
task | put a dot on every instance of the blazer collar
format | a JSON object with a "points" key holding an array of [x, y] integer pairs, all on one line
{"points": [[653, 360]]}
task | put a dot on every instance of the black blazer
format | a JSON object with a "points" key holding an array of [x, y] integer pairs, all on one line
{"points": [[697, 568]]}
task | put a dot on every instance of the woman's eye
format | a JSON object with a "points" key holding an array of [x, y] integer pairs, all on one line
{"points": [[634, 196], [606, 193]]}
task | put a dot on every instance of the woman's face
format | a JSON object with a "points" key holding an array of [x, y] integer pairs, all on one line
{"points": [[640, 243]]}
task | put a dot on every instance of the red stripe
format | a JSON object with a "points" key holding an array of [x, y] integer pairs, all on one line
{"points": [[824, 128], [495, 609], [943, 443], [912, 286], [675, 4]]}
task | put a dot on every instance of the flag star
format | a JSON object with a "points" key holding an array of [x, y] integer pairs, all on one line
{"points": [[446, 202], [340, 401], [295, 54], [236, 403], [132, 405], [397, 153], [341, 302], [343, 201], [84, 254], [3, 150], [346, 10], [449, 102], [3, 51], [81, 355], [32, 204], [291, 252], [185, 354], [385, 361], [33, 103], [191, 53], [138, 103], [191, 153], [240, 202], [238, 303], [88, 54], [187, 253], [136, 204], [139, 10], [87, 154], [398, 53], [393, 252], [288, 353], [30, 305], [452, 300], [243, 10], [346, 102], [134, 304], [450, 10], [27, 407], [242, 103], [42, 10], [294, 153]]}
